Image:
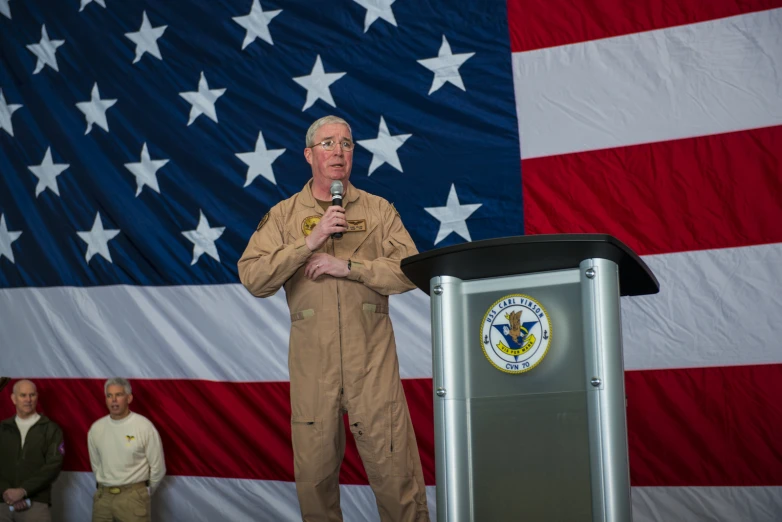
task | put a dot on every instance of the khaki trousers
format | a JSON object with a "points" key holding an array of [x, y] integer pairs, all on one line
{"points": [[386, 443], [122, 504], [37, 512]]}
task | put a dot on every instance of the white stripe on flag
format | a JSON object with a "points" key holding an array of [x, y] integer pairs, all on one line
{"points": [[726, 504], [204, 499], [686, 81], [211, 332], [716, 308]]}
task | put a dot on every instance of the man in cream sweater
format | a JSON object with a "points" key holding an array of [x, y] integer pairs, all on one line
{"points": [[127, 458]]}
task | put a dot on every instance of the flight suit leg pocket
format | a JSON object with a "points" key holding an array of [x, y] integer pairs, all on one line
{"points": [[396, 448], [303, 352], [307, 440], [365, 443], [388, 421]]}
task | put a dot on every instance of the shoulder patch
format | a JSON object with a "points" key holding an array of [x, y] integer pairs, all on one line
{"points": [[308, 224], [264, 219]]}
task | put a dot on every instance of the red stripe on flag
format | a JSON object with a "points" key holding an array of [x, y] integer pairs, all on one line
{"points": [[213, 429], [718, 426], [708, 192], [707, 427], [535, 24]]}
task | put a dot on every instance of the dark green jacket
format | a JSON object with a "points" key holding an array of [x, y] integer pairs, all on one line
{"points": [[34, 467]]}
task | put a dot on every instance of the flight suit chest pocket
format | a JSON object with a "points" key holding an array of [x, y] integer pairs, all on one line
{"points": [[301, 315]]}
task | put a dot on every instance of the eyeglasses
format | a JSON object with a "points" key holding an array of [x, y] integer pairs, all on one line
{"points": [[347, 145]]}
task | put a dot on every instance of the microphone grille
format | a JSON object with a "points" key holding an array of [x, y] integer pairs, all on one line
{"points": [[336, 188]]}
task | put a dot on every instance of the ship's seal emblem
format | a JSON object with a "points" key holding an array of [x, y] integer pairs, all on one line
{"points": [[515, 333]]}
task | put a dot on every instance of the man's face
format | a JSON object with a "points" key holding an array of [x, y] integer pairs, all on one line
{"points": [[330, 164], [25, 398], [118, 401]]}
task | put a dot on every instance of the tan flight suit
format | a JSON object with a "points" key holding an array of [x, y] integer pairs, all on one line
{"points": [[342, 355]]}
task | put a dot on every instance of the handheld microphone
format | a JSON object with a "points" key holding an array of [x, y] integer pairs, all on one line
{"points": [[336, 199]]}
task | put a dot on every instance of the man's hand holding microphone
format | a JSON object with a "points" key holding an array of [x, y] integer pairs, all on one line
{"points": [[332, 224]]}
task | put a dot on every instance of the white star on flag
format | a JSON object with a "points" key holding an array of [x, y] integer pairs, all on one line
{"points": [[84, 3], [257, 24], [146, 39], [6, 239], [45, 51], [203, 239], [203, 100], [384, 147], [47, 173], [97, 240], [453, 216], [377, 9], [5, 8], [146, 171], [317, 84], [259, 162], [95, 110], [6, 111], [446, 67]]}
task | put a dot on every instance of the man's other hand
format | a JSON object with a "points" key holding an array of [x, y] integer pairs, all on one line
{"points": [[319, 264], [13, 495]]}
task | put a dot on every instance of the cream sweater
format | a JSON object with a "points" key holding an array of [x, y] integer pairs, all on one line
{"points": [[126, 451]]}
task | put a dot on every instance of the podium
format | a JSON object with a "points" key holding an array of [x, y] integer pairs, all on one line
{"points": [[528, 375]]}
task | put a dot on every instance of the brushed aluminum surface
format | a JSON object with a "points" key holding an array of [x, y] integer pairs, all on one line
{"points": [[510, 447], [604, 370]]}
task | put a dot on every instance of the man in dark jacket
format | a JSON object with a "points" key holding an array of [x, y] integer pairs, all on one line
{"points": [[31, 450]]}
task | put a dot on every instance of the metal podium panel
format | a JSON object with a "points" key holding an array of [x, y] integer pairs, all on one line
{"points": [[529, 446]]}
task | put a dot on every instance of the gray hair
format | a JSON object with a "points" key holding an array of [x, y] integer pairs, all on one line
{"points": [[117, 381], [310, 138]]}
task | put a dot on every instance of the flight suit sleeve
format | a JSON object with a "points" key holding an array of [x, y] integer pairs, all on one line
{"points": [[384, 274], [267, 263]]}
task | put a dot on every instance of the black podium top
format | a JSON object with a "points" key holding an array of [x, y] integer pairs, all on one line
{"points": [[528, 254]]}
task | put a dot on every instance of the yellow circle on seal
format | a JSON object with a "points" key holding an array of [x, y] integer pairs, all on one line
{"points": [[308, 224], [515, 333]]}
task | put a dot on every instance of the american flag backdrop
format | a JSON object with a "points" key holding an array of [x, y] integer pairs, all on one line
{"points": [[141, 142]]}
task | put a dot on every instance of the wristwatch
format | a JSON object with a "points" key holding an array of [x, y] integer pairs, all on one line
{"points": [[349, 265]]}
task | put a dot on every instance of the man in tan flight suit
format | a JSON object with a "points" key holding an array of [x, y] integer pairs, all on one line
{"points": [[342, 355]]}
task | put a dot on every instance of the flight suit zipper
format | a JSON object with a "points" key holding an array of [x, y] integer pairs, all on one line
{"points": [[339, 324]]}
